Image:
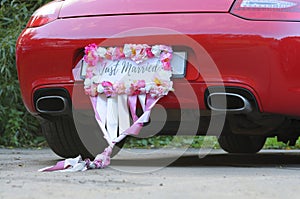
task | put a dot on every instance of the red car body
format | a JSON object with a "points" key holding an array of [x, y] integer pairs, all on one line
{"points": [[255, 50]]}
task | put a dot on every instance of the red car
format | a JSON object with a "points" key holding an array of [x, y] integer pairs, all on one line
{"points": [[243, 51]]}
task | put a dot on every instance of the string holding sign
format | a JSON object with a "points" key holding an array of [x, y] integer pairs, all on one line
{"points": [[116, 78]]}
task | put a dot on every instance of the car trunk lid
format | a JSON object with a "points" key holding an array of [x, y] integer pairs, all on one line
{"points": [[78, 8]]}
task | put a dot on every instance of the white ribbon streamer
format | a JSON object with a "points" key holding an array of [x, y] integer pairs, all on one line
{"points": [[124, 116], [112, 117]]}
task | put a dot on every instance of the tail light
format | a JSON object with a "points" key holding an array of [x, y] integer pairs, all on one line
{"points": [[45, 14], [282, 10]]}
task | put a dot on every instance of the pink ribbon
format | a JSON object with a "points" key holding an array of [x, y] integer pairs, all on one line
{"points": [[77, 164], [103, 160]]}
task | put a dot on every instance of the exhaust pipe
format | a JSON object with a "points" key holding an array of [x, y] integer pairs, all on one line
{"points": [[228, 102], [51, 104]]}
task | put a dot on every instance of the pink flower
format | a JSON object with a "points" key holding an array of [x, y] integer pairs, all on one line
{"points": [[158, 91], [154, 91], [90, 47], [139, 53], [119, 87], [106, 84], [137, 87], [109, 53], [91, 55], [118, 54], [140, 84], [166, 49], [161, 91], [108, 88], [91, 90], [149, 53], [89, 72], [167, 66], [114, 53], [165, 58]]}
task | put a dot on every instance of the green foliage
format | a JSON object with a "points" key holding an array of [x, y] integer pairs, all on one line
{"points": [[195, 142], [173, 142], [16, 124], [272, 143]]}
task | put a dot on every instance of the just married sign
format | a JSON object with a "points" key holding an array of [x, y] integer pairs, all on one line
{"points": [[116, 78], [132, 69], [129, 68]]}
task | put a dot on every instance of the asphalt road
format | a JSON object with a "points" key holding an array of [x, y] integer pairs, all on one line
{"points": [[155, 174]]}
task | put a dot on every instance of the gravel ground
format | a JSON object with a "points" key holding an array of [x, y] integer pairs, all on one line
{"points": [[153, 174]]}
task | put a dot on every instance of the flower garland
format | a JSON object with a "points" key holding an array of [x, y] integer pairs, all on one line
{"points": [[134, 52]]}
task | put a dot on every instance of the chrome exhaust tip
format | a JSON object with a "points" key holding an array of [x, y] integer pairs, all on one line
{"points": [[51, 104], [228, 102]]}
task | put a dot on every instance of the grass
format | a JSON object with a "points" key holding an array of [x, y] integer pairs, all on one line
{"points": [[272, 143], [195, 142]]}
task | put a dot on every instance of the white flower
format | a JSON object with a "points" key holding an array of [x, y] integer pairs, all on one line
{"points": [[127, 50], [96, 71], [149, 86], [127, 84], [156, 50], [101, 52], [100, 88], [87, 83], [171, 86], [96, 79]]}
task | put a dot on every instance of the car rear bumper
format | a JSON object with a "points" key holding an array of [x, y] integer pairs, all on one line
{"points": [[62, 98], [261, 57]]}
